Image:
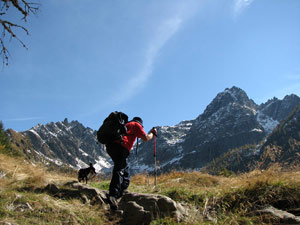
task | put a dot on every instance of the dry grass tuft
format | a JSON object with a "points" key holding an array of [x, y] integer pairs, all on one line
{"points": [[230, 200], [17, 170], [20, 204]]}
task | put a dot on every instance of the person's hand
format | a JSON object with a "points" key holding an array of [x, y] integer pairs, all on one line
{"points": [[154, 131]]}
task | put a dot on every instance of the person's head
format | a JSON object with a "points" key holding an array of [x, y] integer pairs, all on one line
{"points": [[138, 119]]}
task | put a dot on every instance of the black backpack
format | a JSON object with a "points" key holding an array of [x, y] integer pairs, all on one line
{"points": [[113, 128]]}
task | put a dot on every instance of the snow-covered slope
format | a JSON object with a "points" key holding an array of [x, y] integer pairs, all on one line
{"points": [[68, 143]]}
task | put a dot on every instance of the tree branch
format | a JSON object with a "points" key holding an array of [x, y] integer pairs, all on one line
{"points": [[8, 28], [25, 8]]}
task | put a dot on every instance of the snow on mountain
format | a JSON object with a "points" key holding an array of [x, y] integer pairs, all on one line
{"points": [[168, 147], [230, 121], [68, 143], [266, 122]]}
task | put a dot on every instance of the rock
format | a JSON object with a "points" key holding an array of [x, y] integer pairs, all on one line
{"points": [[2, 175], [133, 208], [51, 188], [135, 214], [285, 217], [157, 206], [95, 195], [9, 223], [97, 200]]}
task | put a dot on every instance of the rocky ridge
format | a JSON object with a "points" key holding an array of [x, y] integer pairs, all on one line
{"points": [[230, 122], [64, 144]]}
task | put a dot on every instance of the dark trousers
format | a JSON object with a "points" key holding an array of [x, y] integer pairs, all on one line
{"points": [[120, 177]]}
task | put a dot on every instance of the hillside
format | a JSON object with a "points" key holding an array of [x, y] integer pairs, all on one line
{"points": [[63, 144], [230, 123], [281, 149], [29, 196], [283, 145], [231, 127]]}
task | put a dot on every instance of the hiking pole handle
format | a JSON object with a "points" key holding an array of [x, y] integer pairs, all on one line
{"points": [[154, 131]]}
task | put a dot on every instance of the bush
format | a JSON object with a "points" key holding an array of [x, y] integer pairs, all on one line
{"points": [[3, 137]]}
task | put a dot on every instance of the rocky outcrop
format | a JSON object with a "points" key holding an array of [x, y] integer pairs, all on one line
{"points": [[282, 216], [134, 208], [142, 208]]}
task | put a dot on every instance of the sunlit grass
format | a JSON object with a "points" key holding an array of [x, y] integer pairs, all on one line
{"points": [[231, 200], [19, 204]]}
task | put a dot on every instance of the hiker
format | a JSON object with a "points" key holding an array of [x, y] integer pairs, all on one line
{"points": [[119, 151]]}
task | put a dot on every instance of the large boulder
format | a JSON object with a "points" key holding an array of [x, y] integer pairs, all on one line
{"points": [[142, 208], [133, 208]]}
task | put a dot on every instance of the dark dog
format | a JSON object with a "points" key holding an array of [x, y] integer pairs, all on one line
{"points": [[84, 174]]}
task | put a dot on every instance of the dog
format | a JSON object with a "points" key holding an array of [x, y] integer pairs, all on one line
{"points": [[85, 174]]}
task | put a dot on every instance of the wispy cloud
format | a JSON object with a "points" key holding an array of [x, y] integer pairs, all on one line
{"points": [[166, 29], [239, 6]]}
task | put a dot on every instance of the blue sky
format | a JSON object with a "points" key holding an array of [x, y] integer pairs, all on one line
{"points": [[163, 60]]}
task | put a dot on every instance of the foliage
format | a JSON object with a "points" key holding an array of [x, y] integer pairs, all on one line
{"points": [[5, 144], [3, 138], [226, 173], [236, 160]]}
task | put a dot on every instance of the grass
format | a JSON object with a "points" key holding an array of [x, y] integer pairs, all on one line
{"points": [[19, 204], [231, 200], [228, 200]]}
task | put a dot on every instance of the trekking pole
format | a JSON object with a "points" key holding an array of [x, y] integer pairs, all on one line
{"points": [[154, 150], [155, 166]]}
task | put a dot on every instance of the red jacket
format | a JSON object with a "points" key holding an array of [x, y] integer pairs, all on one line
{"points": [[134, 130]]}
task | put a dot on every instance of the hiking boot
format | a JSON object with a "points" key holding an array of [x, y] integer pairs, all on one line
{"points": [[123, 192], [113, 203]]}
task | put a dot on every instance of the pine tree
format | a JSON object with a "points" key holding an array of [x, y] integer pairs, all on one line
{"points": [[4, 142]]}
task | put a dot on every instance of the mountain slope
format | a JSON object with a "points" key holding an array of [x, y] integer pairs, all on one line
{"points": [[229, 123], [283, 145], [63, 143]]}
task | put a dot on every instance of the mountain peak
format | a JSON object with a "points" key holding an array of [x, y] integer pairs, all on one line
{"points": [[227, 97], [237, 94], [291, 98], [66, 122], [280, 109]]}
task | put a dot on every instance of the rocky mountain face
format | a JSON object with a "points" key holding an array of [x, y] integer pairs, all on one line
{"points": [[231, 130], [63, 143], [230, 121], [283, 145], [169, 149], [281, 148]]}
